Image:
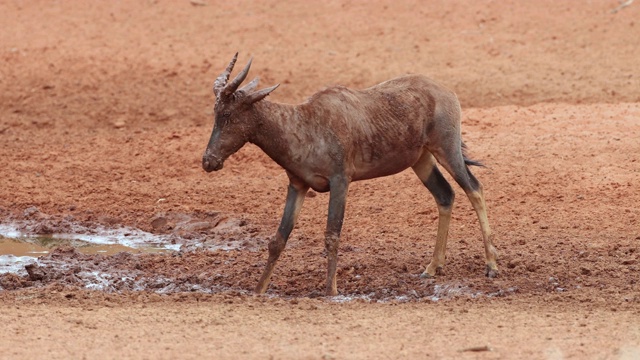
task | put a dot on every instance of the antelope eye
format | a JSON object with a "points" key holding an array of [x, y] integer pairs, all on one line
{"points": [[226, 114]]}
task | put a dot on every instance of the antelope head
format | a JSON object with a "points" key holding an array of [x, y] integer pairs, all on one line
{"points": [[234, 123]]}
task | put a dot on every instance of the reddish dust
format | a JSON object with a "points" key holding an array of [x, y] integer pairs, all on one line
{"points": [[105, 111]]}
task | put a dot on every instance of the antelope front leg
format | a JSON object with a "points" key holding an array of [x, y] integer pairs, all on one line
{"points": [[295, 197], [337, 201]]}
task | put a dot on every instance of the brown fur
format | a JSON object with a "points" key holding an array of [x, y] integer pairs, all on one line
{"points": [[342, 135]]}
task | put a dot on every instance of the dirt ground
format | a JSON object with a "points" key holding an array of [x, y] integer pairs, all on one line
{"points": [[105, 110]]}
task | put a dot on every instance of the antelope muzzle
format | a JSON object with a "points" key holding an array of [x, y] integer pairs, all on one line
{"points": [[211, 163]]}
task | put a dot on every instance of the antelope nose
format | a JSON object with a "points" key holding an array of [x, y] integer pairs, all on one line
{"points": [[210, 164], [205, 164]]}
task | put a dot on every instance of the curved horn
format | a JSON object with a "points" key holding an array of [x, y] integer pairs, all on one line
{"points": [[250, 86], [233, 85], [221, 81], [261, 94]]}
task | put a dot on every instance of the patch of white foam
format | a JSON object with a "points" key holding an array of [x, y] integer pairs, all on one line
{"points": [[349, 298], [15, 264], [370, 298], [132, 238], [448, 291], [101, 281], [123, 236], [9, 231], [95, 280]]}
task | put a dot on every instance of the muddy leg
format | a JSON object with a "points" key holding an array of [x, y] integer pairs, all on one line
{"points": [[453, 161], [442, 192], [491, 254], [295, 197], [337, 202]]}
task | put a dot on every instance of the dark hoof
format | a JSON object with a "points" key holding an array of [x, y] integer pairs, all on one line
{"points": [[426, 275], [490, 272]]}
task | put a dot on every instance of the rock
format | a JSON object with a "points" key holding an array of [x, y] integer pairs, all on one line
{"points": [[35, 272], [31, 212], [119, 123], [159, 223]]}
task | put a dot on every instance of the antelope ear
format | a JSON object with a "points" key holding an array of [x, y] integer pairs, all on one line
{"points": [[260, 94]]}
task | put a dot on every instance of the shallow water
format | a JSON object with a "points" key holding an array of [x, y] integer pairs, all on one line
{"points": [[42, 245], [18, 249], [99, 240]]}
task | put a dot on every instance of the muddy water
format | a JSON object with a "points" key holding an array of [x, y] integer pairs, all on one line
{"points": [[16, 253], [19, 248], [37, 246], [107, 241]]}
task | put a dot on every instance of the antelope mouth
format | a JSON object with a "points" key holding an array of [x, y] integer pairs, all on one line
{"points": [[209, 165]]}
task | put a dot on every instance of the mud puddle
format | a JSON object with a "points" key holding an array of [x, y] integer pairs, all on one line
{"points": [[205, 254], [15, 254], [96, 240], [19, 249], [37, 246]]}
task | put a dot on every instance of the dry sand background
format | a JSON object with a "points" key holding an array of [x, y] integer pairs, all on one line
{"points": [[105, 108]]}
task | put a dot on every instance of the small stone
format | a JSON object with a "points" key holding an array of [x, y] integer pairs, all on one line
{"points": [[35, 272], [512, 264], [159, 223], [30, 211]]}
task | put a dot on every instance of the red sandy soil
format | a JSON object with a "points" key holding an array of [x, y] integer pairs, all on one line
{"points": [[105, 110]]}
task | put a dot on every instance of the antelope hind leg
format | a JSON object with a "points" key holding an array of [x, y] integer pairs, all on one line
{"points": [[443, 194], [491, 254]]}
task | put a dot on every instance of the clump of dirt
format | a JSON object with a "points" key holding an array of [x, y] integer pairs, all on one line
{"points": [[13, 282]]}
